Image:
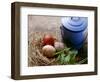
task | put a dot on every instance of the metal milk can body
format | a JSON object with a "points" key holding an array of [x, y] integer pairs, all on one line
{"points": [[73, 29]]}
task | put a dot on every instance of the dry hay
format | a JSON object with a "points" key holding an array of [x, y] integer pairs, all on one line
{"points": [[35, 56]]}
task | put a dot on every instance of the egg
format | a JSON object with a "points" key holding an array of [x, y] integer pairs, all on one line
{"points": [[48, 40], [59, 46], [48, 51]]}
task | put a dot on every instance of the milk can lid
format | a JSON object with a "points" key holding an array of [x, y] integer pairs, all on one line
{"points": [[75, 23]]}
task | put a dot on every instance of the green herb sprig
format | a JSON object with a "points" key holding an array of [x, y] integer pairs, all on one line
{"points": [[68, 56]]}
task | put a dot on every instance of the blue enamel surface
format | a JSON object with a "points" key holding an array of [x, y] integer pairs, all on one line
{"points": [[75, 23], [73, 28]]}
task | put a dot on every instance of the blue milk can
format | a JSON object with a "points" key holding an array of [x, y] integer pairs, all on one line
{"points": [[73, 29]]}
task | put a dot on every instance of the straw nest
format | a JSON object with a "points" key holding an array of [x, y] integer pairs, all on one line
{"points": [[35, 56]]}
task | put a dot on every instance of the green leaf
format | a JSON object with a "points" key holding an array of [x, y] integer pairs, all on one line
{"points": [[58, 58], [70, 58], [67, 59], [74, 54], [62, 58]]}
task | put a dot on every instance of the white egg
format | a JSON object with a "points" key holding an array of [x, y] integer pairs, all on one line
{"points": [[59, 46], [48, 51]]}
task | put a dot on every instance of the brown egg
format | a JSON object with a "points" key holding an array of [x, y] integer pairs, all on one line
{"points": [[48, 51], [48, 40]]}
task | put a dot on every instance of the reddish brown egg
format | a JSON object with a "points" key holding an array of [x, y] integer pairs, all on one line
{"points": [[48, 40]]}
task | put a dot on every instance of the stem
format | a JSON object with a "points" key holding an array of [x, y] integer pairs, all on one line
{"points": [[82, 61], [62, 51]]}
